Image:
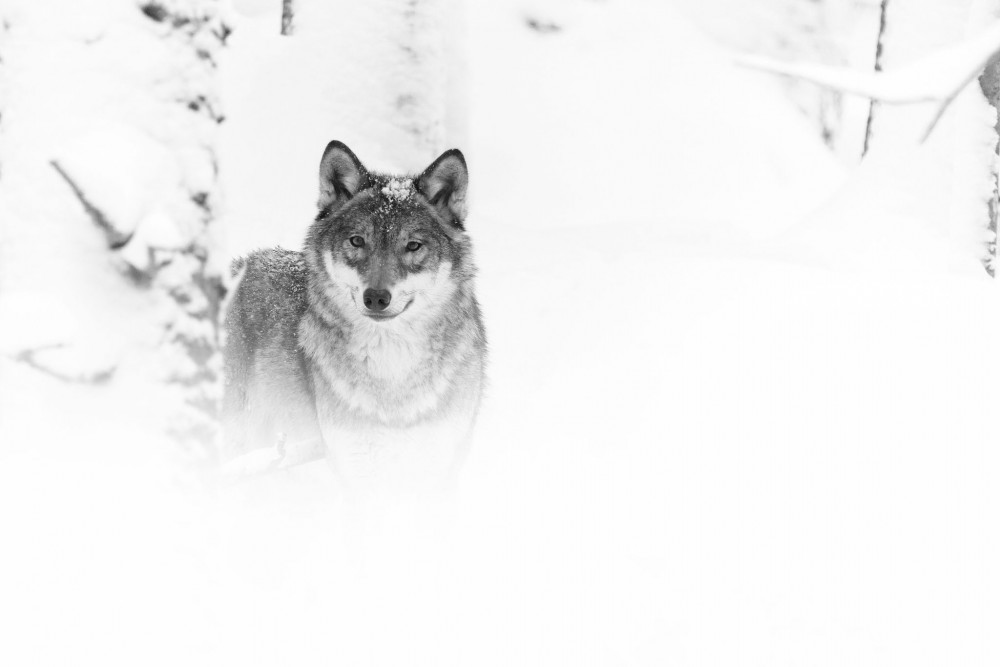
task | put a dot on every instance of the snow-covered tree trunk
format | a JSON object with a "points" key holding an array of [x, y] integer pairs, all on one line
{"points": [[978, 142], [383, 76], [962, 150], [989, 82], [107, 198], [387, 73], [287, 16]]}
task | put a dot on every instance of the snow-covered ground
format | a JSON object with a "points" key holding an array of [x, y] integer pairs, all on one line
{"points": [[742, 404]]}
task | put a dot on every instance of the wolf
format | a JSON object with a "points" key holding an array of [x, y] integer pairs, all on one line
{"points": [[368, 347]]}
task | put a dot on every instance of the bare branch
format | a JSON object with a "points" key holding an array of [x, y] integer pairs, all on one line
{"points": [[116, 239]]}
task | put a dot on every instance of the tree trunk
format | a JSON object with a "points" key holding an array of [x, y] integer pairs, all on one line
{"points": [[984, 12], [387, 74], [384, 76], [287, 16], [989, 82], [878, 68]]}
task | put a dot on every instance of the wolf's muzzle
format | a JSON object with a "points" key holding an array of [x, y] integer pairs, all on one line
{"points": [[377, 299]]}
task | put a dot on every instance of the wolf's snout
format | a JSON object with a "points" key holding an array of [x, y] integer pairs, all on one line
{"points": [[377, 299]]}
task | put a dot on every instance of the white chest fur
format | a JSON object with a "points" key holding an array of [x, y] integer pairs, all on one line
{"points": [[388, 353], [390, 375]]}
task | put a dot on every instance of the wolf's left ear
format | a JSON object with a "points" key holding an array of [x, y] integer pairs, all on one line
{"points": [[444, 183], [341, 175]]}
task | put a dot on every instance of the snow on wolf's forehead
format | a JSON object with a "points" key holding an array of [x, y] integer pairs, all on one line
{"points": [[398, 189], [396, 197]]}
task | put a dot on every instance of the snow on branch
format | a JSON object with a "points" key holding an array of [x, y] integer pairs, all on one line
{"points": [[937, 77]]}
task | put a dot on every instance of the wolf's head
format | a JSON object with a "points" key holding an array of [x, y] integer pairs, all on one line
{"points": [[389, 248]]}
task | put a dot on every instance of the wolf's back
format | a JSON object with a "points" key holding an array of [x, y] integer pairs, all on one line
{"points": [[267, 402], [270, 297]]}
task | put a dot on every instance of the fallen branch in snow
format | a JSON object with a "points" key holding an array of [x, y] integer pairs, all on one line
{"points": [[281, 456], [938, 77], [27, 357], [116, 239]]}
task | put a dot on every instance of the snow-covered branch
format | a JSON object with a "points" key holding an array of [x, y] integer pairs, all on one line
{"points": [[938, 77], [116, 239]]}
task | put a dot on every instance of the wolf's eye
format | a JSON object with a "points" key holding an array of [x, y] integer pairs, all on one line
{"points": [[357, 241], [414, 246]]}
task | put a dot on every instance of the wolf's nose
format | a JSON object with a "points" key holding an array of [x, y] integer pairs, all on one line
{"points": [[377, 299]]}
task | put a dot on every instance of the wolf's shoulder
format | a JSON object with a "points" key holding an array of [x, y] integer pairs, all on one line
{"points": [[273, 267], [274, 282], [272, 262]]}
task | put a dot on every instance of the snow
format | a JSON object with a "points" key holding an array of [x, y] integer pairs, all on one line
{"points": [[398, 189], [735, 181], [742, 404], [135, 172], [394, 109], [934, 77], [936, 54], [91, 87]]}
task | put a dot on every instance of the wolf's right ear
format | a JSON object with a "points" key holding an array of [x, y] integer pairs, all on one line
{"points": [[341, 175], [444, 183]]}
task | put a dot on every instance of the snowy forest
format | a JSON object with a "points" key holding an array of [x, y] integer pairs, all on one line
{"points": [[737, 267]]}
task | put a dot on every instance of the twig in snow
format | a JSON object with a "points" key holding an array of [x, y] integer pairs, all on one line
{"points": [[27, 357], [542, 26], [116, 239]]}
